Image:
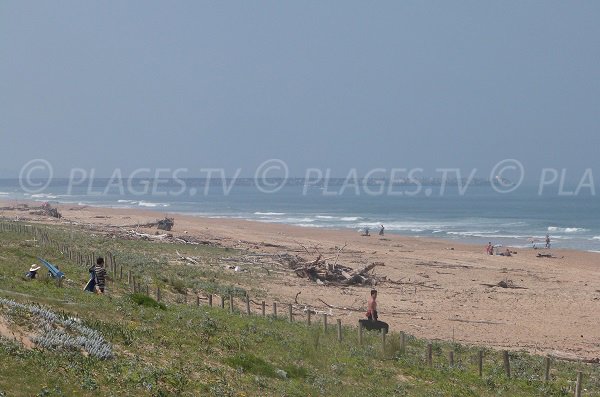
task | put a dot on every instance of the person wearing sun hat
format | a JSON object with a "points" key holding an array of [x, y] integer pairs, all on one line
{"points": [[32, 273]]}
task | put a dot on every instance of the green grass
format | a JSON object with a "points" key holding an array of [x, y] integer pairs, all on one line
{"points": [[144, 300], [178, 349]]}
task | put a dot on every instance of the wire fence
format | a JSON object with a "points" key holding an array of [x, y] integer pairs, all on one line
{"points": [[291, 312]]}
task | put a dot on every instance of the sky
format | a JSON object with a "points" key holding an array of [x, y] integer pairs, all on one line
{"points": [[339, 85]]}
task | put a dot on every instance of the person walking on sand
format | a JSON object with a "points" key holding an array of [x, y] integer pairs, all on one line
{"points": [[548, 241], [100, 273], [372, 306], [381, 230]]}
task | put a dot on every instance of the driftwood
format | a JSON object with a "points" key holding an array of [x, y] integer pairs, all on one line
{"points": [[460, 320], [505, 284], [166, 224], [45, 210], [187, 258], [572, 357], [443, 265], [351, 309]]}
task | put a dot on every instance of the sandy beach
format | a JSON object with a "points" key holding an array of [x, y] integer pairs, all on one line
{"points": [[441, 294]]}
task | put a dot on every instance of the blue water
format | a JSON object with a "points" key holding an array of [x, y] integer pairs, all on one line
{"points": [[479, 216]]}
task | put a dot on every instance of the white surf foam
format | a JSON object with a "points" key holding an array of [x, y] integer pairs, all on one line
{"points": [[557, 229], [269, 213], [152, 205]]}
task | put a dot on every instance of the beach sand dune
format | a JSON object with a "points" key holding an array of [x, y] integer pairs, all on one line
{"points": [[556, 308]]}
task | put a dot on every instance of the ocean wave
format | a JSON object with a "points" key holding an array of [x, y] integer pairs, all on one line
{"points": [[4, 193], [557, 229], [269, 213], [127, 201], [596, 238], [297, 220], [152, 205], [44, 195], [350, 218], [325, 217]]}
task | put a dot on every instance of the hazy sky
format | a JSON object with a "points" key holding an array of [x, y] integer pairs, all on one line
{"points": [[335, 84]]}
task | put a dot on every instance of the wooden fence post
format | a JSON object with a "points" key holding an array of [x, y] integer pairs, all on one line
{"points": [[324, 322], [274, 309], [451, 358], [429, 355], [158, 294], [506, 363], [263, 309], [290, 313], [579, 384], [248, 305], [230, 303], [546, 369], [360, 333], [197, 300], [222, 302], [480, 363], [402, 342], [308, 317], [383, 334], [339, 329], [210, 300]]}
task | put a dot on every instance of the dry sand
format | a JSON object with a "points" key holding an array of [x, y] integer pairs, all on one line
{"points": [[557, 310]]}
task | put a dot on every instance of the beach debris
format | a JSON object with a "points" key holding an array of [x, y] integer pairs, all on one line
{"points": [[565, 356], [441, 265], [166, 224], [325, 272], [281, 373], [505, 284], [542, 255], [45, 210]]}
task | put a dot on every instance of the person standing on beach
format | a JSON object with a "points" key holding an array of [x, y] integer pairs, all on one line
{"points": [[381, 230], [372, 306], [548, 241], [490, 248], [100, 273]]}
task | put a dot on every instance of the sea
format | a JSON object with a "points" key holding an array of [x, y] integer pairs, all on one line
{"points": [[480, 214]]}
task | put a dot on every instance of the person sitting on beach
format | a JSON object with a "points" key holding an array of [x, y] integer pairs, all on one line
{"points": [[32, 273], [372, 306], [100, 272], [366, 233], [381, 230], [507, 253]]}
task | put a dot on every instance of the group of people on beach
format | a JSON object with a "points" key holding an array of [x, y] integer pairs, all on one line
{"points": [[489, 249], [367, 233]]}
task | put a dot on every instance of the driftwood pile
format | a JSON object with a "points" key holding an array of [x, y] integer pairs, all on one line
{"points": [[46, 210], [322, 272], [166, 224]]}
